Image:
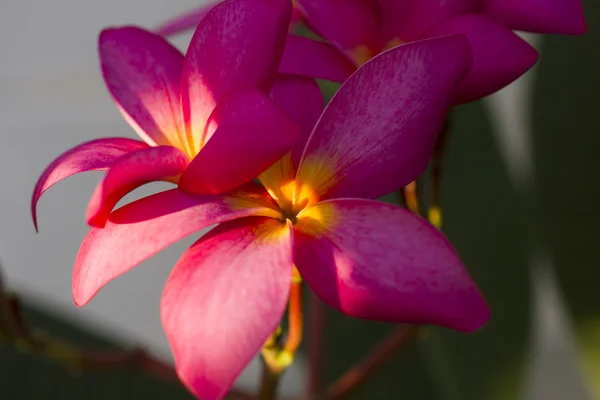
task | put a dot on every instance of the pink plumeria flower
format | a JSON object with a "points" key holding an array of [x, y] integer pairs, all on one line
{"points": [[360, 29], [206, 120], [367, 259]]}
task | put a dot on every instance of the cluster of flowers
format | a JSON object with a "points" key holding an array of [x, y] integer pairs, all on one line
{"points": [[243, 104]]}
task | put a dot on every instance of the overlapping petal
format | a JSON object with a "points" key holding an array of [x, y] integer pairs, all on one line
{"points": [[95, 155], [542, 16], [352, 25], [252, 133], [301, 99], [499, 55], [371, 142], [407, 20], [143, 228], [131, 171], [237, 46], [224, 298], [143, 73], [314, 59], [377, 261]]}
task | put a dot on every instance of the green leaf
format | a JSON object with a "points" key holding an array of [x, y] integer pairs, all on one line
{"points": [[486, 222], [567, 142]]}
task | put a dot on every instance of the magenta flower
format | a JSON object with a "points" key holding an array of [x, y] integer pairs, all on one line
{"points": [[228, 292], [207, 122], [360, 29]]}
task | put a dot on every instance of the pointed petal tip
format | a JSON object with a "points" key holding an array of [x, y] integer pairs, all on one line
{"points": [[34, 213], [475, 318]]}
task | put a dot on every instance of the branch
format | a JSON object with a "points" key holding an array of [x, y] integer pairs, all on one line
{"points": [[375, 359], [15, 331]]}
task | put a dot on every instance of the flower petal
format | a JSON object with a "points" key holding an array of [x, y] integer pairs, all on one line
{"points": [[143, 73], [541, 16], [95, 155], [307, 57], [224, 299], [253, 133], [186, 21], [301, 99], [238, 45], [143, 228], [352, 25], [371, 142], [499, 55], [377, 261], [407, 20], [131, 171]]}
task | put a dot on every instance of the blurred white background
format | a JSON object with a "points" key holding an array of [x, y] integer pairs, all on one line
{"points": [[52, 97]]}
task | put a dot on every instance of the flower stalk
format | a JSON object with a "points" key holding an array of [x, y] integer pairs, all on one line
{"points": [[277, 357], [316, 336], [434, 211]]}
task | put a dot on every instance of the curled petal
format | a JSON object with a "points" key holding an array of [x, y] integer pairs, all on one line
{"points": [[407, 20], [143, 73], [499, 55], [238, 45], [371, 142], [377, 261], [313, 59], [224, 298], [541, 16], [139, 230], [95, 155], [252, 133], [131, 171]]}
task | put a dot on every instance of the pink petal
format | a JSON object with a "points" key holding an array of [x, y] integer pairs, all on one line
{"points": [[542, 16], [237, 46], [131, 171], [371, 142], [224, 299], [141, 229], [499, 55], [301, 99], [186, 21], [143, 73], [352, 25], [307, 57], [377, 261], [407, 20], [95, 155], [252, 134]]}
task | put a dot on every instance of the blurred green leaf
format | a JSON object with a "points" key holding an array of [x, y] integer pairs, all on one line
{"points": [[487, 223], [31, 377], [567, 142]]}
